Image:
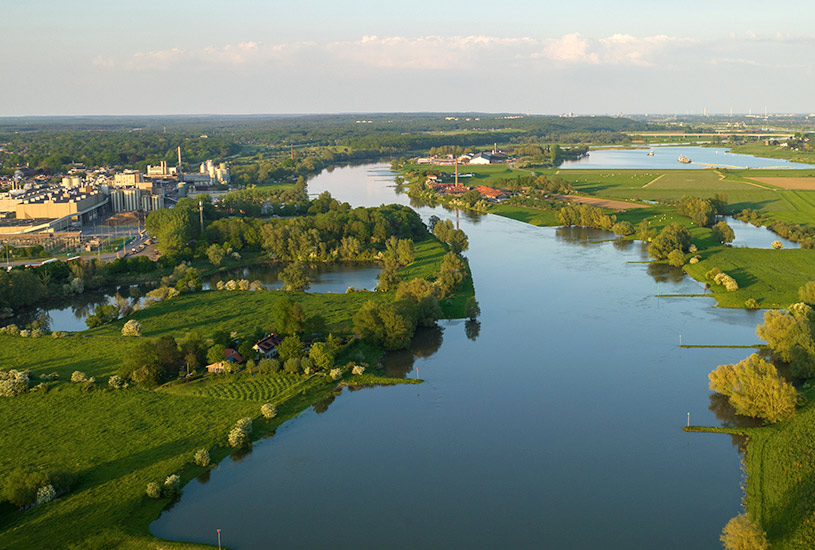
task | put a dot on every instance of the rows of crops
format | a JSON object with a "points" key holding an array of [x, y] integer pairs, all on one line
{"points": [[247, 388]]}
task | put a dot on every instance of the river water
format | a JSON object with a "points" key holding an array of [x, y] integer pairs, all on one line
{"points": [[555, 422], [665, 157]]}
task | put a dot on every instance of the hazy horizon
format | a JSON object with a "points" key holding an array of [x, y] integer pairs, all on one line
{"points": [[86, 58]]}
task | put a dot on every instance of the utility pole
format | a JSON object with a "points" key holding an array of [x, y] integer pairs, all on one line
{"points": [[201, 213]]}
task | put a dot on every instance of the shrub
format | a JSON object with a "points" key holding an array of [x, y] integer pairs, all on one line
{"points": [[676, 258], [239, 435], [357, 370], [268, 410], [11, 330], [25, 333], [116, 382], [694, 260], [46, 493], [58, 334], [50, 377], [742, 533], [201, 458], [711, 274], [807, 293], [172, 485], [131, 328], [623, 228], [79, 376], [335, 374], [153, 490], [268, 366], [754, 388], [751, 303], [14, 383], [292, 365], [778, 245]]}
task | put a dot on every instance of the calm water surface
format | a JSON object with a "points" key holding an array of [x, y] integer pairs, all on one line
{"points": [[665, 157], [555, 422]]}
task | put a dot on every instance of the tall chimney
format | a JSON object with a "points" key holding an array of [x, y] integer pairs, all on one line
{"points": [[179, 156]]}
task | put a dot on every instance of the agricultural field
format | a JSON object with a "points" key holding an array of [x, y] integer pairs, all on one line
{"points": [[242, 386]]}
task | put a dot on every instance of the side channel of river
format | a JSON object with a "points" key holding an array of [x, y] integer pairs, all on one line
{"points": [[554, 423]]}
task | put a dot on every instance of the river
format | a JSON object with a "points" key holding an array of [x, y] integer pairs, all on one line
{"points": [[665, 158], [555, 422]]}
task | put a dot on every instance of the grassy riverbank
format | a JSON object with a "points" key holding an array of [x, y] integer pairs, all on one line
{"points": [[780, 476]]}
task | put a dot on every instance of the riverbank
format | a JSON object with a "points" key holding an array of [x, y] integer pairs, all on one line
{"points": [[779, 471]]}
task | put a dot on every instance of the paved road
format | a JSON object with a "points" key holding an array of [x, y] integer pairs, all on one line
{"points": [[149, 251]]}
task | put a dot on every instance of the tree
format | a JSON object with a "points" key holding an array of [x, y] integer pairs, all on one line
{"points": [[723, 233], [754, 388], [672, 237], [473, 310], [216, 254], [216, 354], [246, 350], [388, 278], [322, 355], [623, 228], [101, 315], [791, 335], [289, 316], [153, 490], [742, 533], [676, 258], [290, 348], [807, 293], [295, 278]]}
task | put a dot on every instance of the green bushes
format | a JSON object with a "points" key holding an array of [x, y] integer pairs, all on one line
{"points": [[239, 436], [201, 458], [672, 237], [754, 388], [791, 335], [742, 533], [24, 486]]}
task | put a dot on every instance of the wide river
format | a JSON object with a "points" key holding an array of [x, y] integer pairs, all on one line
{"points": [[665, 158], [554, 423]]}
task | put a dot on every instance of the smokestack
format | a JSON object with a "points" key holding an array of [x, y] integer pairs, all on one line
{"points": [[179, 156]]}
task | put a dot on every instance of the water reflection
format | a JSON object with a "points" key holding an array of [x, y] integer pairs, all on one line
{"points": [[472, 328], [582, 235], [325, 277], [426, 342], [664, 273], [724, 411]]}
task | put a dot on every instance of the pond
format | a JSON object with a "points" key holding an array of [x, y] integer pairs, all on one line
{"points": [[69, 313], [333, 277], [552, 422], [748, 235], [665, 157]]}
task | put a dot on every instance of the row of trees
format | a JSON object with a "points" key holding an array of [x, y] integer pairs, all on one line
{"points": [[802, 234]]}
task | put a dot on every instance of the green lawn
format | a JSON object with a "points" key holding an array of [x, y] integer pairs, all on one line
{"points": [[771, 277]]}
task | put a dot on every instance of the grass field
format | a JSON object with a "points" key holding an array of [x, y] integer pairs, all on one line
{"points": [[771, 277], [524, 214]]}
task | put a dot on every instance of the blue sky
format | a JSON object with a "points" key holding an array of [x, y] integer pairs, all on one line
{"points": [[252, 56]]}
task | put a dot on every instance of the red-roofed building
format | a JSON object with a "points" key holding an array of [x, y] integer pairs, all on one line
{"points": [[232, 356], [491, 192]]}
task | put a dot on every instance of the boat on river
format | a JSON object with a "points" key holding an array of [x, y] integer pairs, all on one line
{"points": [[683, 159], [650, 153]]}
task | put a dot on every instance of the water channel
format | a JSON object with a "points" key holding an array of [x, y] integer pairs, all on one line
{"points": [[555, 422]]}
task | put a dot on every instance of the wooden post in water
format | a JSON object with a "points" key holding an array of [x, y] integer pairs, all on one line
{"points": [[688, 420]]}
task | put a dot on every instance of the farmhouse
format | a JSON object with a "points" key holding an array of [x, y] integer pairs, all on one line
{"points": [[267, 347]]}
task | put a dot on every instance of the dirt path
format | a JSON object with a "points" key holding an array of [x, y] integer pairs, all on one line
{"points": [[601, 203]]}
